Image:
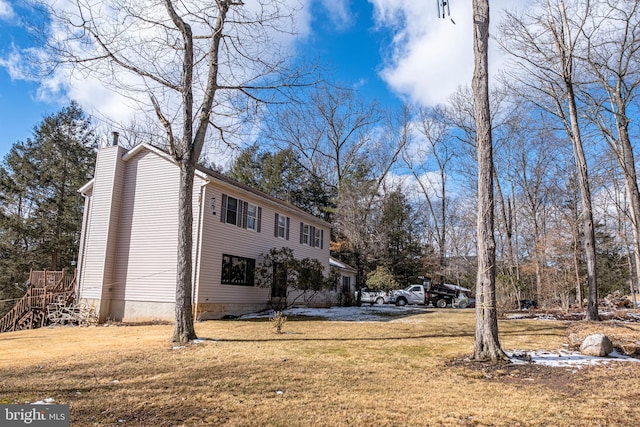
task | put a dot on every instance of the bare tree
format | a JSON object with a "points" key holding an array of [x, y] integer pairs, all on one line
{"points": [[534, 165], [612, 46], [460, 114], [433, 183], [196, 65], [544, 44], [487, 344], [332, 130], [361, 185]]}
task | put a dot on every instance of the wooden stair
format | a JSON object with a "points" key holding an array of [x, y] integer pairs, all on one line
{"points": [[45, 288]]}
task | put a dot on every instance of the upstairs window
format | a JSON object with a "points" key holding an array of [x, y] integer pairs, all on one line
{"points": [[312, 236], [252, 217], [304, 234], [240, 213], [231, 212], [319, 237], [281, 228]]}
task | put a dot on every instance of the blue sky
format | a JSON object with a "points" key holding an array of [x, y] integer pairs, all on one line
{"points": [[391, 50]]}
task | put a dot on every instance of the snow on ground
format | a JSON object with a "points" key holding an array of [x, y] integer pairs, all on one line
{"points": [[377, 313], [565, 358], [374, 313]]}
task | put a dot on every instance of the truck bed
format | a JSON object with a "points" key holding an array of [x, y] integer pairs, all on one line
{"points": [[442, 290]]}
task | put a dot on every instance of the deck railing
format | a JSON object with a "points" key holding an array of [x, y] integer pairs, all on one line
{"points": [[45, 287]]}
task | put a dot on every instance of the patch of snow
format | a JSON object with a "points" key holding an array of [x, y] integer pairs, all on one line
{"points": [[279, 392], [564, 358], [178, 347], [345, 314], [115, 382], [47, 401], [198, 341], [517, 316], [545, 317]]}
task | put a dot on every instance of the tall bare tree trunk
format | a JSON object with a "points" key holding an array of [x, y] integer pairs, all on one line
{"points": [[565, 47], [627, 162], [184, 330], [612, 57], [487, 344], [587, 209], [508, 231]]}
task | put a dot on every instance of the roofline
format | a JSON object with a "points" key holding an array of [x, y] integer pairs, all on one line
{"points": [[85, 188], [246, 188], [205, 173], [341, 264]]}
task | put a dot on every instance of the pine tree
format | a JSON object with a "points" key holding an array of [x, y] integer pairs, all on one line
{"points": [[41, 212]]}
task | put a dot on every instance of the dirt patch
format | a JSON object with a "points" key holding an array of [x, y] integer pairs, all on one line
{"points": [[621, 326], [554, 378]]}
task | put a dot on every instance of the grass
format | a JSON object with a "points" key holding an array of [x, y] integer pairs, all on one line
{"points": [[407, 371]]}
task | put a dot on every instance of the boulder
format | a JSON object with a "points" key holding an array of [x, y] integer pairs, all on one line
{"points": [[596, 345]]}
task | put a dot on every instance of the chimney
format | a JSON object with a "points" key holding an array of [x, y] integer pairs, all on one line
{"points": [[115, 138]]}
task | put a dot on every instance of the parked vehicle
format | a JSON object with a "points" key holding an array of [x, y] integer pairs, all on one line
{"points": [[370, 296], [528, 304], [440, 295], [412, 294], [463, 301]]}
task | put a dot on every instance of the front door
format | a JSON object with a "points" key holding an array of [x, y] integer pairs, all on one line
{"points": [[279, 285]]}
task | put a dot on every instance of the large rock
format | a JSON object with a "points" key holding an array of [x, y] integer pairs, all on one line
{"points": [[596, 345]]}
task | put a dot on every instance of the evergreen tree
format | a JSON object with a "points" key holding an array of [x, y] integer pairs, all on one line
{"points": [[41, 212], [281, 175], [399, 248]]}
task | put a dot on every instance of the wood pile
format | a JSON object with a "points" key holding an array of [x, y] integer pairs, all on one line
{"points": [[616, 300], [61, 313]]}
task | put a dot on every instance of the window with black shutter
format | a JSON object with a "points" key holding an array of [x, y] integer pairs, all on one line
{"points": [[281, 227], [240, 213]]}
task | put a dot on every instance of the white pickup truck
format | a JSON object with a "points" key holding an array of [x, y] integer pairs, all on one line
{"points": [[439, 295]]}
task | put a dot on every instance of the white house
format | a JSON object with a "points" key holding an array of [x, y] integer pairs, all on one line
{"points": [[128, 249]]}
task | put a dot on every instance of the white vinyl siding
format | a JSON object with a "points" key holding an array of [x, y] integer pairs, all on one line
{"points": [[131, 233], [148, 231], [219, 238], [101, 225]]}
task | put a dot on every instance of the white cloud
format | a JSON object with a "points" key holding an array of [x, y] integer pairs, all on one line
{"points": [[14, 64], [431, 57], [92, 91], [339, 12], [6, 11], [413, 187]]}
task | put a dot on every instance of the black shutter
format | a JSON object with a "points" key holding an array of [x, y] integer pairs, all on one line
{"points": [[275, 228], [321, 239], [287, 230], [239, 210], [223, 209], [245, 208], [259, 219], [301, 231]]}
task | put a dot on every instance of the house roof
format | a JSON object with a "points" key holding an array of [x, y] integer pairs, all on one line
{"points": [[209, 174], [339, 264]]}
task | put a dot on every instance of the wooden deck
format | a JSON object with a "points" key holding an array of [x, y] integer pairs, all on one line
{"points": [[45, 288]]}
